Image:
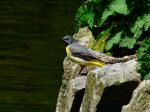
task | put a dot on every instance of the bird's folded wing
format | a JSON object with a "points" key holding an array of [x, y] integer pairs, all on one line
{"points": [[80, 51]]}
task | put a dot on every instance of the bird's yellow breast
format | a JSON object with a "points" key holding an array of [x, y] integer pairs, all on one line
{"points": [[73, 58], [68, 50]]}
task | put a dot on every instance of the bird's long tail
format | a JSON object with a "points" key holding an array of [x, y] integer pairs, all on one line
{"points": [[96, 63]]}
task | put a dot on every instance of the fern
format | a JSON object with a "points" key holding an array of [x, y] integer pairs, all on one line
{"points": [[101, 43], [102, 39], [119, 6], [84, 17], [143, 54], [90, 19], [141, 22], [146, 18], [130, 17], [114, 40], [131, 24], [105, 15], [127, 42], [147, 76], [94, 1]]}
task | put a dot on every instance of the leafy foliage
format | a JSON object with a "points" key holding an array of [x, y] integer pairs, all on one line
{"points": [[119, 6], [105, 15], [113, 40], [143, 54], [119, 25], [129, 17], [101, 42], [127, 42], [85, 16], [141, 22], [102, 39]]}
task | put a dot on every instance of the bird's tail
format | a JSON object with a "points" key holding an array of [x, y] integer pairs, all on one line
{"points": [[96, 63]]}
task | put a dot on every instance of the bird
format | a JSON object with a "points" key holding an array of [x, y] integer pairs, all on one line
{"points": [[80, 54]]}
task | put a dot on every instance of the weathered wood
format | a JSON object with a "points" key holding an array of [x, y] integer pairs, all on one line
{"points": [[140, 101], [68, 87], [117, 72], [100, 78], [96, 82]]}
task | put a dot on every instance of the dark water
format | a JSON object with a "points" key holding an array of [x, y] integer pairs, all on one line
{"points": [[31, 52]]}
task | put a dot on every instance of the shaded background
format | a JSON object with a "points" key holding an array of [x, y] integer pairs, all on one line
{"points": [[31, 52]]}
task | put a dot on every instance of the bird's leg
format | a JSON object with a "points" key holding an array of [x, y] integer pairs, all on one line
{"points": [[82, 71], [85, 69]]}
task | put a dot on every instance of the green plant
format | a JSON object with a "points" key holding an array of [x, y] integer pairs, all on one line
{"points": [[143, 54], [118, 25], [132, 18]]}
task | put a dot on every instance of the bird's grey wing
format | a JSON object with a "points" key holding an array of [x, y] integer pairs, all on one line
{"points": [[82, 52]]}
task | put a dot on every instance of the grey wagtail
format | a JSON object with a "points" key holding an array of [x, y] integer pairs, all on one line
{"points": [[80, 54]]}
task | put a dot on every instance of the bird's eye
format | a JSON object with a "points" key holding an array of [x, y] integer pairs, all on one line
{"points": [[66, 40]]}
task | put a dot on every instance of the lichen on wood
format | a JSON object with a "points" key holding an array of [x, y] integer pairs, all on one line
{"points": [[140, 101], [100, 78], [96, 82]]}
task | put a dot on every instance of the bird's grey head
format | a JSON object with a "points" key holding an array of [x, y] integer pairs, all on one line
{"points": [[69, 39]]}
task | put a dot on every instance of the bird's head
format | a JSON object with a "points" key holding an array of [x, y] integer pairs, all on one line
{"points": [[69, 39]]}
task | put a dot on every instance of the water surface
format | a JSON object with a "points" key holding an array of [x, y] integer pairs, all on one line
{"points": [[31, 52]]}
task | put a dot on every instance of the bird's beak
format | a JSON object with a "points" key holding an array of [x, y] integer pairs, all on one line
{"points": [[67, 41]]}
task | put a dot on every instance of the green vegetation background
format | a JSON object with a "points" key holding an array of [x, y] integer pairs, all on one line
{"points": [[31, 52], [120, 28]]}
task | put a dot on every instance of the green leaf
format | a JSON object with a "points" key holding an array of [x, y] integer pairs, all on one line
{"points": [[104, 33], [84, 17], [114, 40], [119, 6], [140, 52], [94, 1], [127, 42], [90, 19], [81, 16], [143, 55], [146, 18], [105, 15], [141, 22], [101, 39], [101, 43], [137, 28], [143, 49], [147, 76]]}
